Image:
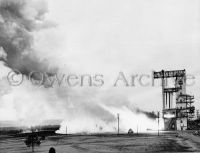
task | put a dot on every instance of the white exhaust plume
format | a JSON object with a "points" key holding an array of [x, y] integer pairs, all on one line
{"points": [[128, 119], [81, 109], [83, 113]]}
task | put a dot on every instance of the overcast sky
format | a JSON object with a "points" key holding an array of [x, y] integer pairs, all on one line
{"points": [[132, 36]]}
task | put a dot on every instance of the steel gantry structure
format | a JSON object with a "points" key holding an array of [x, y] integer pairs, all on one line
{"points": [[176, 104]]}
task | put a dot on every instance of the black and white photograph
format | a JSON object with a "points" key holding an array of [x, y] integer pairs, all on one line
{"points": [[99, 76]]}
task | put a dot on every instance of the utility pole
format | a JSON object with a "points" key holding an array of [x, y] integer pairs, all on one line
{"points": [[118, 123], [158, 123]]}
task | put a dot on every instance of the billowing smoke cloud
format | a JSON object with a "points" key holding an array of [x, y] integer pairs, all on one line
{"points": [[82, 110], [18, 19]]}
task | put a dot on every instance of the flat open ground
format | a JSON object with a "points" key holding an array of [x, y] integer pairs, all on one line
{"points": [[142, 143]]}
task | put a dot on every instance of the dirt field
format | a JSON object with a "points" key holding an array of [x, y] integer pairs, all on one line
{"points": [[142, 143]]}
